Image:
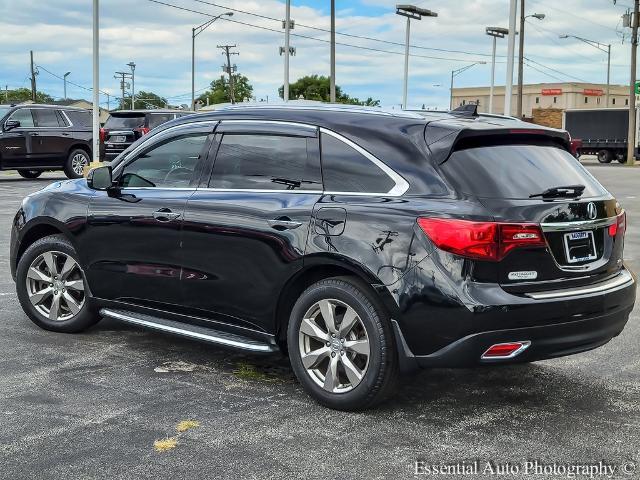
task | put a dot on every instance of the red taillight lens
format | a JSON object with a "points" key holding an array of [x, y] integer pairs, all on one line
{"points": [[144, 130], [481, 240], [102, 134], [619, 226]]}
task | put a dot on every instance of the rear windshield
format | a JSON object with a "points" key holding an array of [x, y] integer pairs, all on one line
{"points": [[516, 171], [125, 121]]}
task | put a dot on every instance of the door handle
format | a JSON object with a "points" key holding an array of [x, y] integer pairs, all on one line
{"points": [[165, 215], [284, 223], [34, 134]]}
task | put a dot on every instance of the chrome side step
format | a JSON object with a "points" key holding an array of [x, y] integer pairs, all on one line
{"points": [[195, 332]]}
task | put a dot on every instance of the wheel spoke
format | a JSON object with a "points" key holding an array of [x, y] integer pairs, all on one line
{"points": [[328, 310], [72, 304], [75, 285], [51, 263], [348, 321], [331, 377], [40, 296], [358, 346], [67, 268], [354, 374], [310, 328], [36, 274], [55, 308], [315, 357]]}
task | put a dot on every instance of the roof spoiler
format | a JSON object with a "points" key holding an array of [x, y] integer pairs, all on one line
{"points": [[469, 110]]}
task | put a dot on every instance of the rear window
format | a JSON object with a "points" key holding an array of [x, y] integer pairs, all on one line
{"points": [[156, 119], [516, 171], [125, 121]]}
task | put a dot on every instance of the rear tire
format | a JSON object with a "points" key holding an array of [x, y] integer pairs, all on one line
{"points": [[622, 159], [29, 173], [74, 167], [52, 288], [356, 366], [604, 156]]}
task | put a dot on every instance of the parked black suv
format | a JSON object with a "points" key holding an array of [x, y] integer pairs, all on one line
{"points": [[36, 138], [123, 127], [359, 242]]}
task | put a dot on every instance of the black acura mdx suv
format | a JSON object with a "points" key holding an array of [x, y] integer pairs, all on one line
{"points": [[361, 243]]}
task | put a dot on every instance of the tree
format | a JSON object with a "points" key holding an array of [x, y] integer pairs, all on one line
{"points": [[317, 87], [219, 92], [144, 101], [23, 95]]}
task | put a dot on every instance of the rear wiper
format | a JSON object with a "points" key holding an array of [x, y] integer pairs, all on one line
{"points": [[570, 191]]}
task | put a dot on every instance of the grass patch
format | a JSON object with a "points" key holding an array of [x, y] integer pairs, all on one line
{"points": [[247, 371], [185, 425], [165, 444]]}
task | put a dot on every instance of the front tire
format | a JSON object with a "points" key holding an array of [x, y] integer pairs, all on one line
{"points": [[74, 167], [341, 345], [30, 173], [52, 288]]}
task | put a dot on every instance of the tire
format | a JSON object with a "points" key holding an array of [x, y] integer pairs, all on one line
{"points": [[29, 173], [74, 311], [77, 160], [621, 158], [378, 370], [604, 156]]}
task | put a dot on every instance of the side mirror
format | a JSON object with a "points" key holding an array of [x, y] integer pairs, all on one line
{"points": [[100, 178], [11, 124]]}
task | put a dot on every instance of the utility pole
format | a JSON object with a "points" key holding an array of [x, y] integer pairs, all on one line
{"points": [[520, 63], [122, 76], [511, 46], [631, 138], [287, 50], [33, 80], [64, 79], [332, 84], [229, 69], [133, 84], [96, 86]]}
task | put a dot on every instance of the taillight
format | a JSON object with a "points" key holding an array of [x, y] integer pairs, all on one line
{"points": [[481, 240], [619, 226], [103, 134], [144, 130]]}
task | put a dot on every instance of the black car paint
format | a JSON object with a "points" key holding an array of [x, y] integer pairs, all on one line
{"points": [[439, 302], [40, 148]]}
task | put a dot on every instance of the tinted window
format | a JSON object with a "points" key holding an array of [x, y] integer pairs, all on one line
{"points": [[3, 111], [170, 164], [23, 115], [156, 119], [516, 171], [61, 120], [264, 162], [344, 169], [124, 121], [79, 118], [45, 117]]}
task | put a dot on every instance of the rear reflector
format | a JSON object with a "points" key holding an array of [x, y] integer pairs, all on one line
{"points": [[505, 350], [481, 240]]}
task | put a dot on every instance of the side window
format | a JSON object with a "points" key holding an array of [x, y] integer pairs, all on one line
{"points": [[45, 117], [24, 116], [79, 118], [265, 162], [172, 163], [344, 169], [156, 119], [62, 121]]}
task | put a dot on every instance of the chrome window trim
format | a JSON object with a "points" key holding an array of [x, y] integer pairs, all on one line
{"points": [[401, 185], [622, 280], [578, 225], [271, 122]]}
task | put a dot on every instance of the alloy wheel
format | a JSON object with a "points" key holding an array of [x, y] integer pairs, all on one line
{"points": [[55, 286], [78, 162], [334, 346]]}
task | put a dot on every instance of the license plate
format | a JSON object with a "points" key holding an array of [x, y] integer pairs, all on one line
{"points": [[580, 246], [118, 139]]}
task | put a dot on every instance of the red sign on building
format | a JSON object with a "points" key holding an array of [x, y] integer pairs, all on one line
{"points": [[551, 91], [593, 92]]}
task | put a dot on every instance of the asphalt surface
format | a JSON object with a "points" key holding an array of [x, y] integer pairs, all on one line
{"points": [[92, 405]]}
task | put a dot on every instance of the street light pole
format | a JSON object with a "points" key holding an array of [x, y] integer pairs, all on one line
{"points": [[511, 46], [64, 80], [495, 32], [96, 85], [332, 84], [455, 73], [523, 17], [603, 48], [194, 33], [287, 28], [416, 13]]}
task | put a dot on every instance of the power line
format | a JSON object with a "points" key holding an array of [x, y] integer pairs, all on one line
{"points": [[557, 71], [70, 82]]}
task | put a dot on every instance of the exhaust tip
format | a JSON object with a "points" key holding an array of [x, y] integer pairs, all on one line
{"points": [[501, 351]]}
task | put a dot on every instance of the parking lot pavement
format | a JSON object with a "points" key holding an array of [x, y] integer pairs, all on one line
{"points": [[91, 405]]}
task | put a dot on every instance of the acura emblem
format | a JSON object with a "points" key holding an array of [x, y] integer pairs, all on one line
{"points": [[591, 211]]}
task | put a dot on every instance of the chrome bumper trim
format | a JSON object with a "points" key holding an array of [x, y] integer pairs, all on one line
{"points": [[578, 225], [622, 280]]}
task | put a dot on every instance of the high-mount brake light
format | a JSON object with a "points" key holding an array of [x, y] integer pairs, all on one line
{"points": [[481, 240]]}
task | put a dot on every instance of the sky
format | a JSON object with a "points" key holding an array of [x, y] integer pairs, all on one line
{"points": [[157, 38]]}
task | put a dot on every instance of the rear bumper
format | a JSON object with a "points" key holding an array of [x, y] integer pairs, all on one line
{"points": [[578, 332]]}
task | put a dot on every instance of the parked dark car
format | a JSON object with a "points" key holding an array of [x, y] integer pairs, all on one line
{"points": [[360, 243], [123, 127], [38, 138]]}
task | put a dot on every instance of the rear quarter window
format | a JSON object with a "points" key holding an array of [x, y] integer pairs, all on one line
{"points": [[79, 118], [122, 121], [516, 171]]}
